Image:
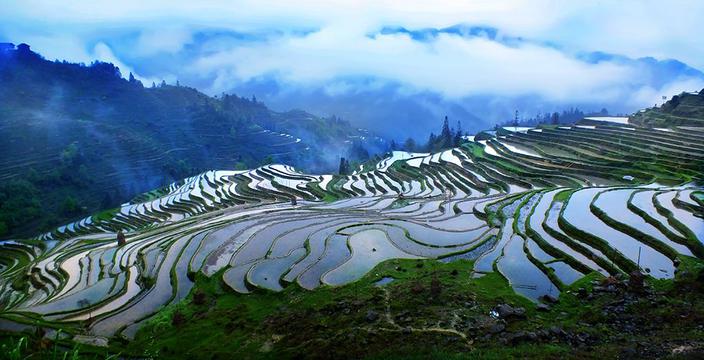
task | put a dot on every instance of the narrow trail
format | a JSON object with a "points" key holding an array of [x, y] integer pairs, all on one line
{"points": [[434, 329]]}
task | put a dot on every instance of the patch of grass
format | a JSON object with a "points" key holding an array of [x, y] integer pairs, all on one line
{"points": [[106, 215], [476, 150], [399, 203], [298, 322], [431, 310], [329, 197], [563, 196], [27, 347]]}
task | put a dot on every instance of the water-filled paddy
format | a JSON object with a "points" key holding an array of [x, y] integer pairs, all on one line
{"points": [[503, 211]]}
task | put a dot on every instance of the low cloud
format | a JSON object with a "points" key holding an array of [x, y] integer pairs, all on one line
{"points": [[104, 53], [163, 40], [338, 48], [448, 64]]}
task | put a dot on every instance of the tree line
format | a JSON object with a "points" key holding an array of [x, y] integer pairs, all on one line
{"points": [[447, 138]]}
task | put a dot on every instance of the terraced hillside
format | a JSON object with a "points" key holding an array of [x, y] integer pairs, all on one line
{"points": [[685, 109], [540, 206], [80, 138]]}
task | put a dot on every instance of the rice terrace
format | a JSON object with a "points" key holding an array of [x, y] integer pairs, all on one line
{"points": [[543, 239]]}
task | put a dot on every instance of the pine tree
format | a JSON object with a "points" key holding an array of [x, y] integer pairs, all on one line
{"points": [[344, 167], [555, 120], [409, 145], [432, 142], [445, 135], [457, 141], [458, 135]]}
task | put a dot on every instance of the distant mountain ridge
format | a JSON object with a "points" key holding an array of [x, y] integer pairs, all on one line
{"points": [[81, 137]]}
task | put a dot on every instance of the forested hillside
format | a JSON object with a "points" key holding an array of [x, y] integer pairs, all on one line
{"points": [[684, 109], [77, 138]]}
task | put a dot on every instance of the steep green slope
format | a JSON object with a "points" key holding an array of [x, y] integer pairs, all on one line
{"points": [[685, 109], [79, 138]]}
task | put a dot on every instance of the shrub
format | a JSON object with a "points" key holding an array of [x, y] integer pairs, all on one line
{"points": [[435, 288], [70, 206], [178, 319]]}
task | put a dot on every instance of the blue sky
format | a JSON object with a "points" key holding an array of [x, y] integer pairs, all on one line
{"points": [[482, 58]]}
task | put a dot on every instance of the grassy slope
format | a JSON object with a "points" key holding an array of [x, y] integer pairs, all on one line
{"points": [[216, 323], [684, 109], [330, 321]]}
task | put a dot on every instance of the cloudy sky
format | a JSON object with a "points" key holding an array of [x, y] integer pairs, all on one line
{"points": [[387, 60]]}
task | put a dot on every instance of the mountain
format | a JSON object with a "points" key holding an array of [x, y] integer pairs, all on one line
{"points": [[77, 138], [386, 104], [516, 231]]}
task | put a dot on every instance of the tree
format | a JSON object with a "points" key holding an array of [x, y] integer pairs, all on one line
{"points": [[268, 160], [432, 142], [393, 145], [33, 176], [445, 135], [82, 176], [69, 154], [19, 201], [358, 151], [132, 79], [344, 167], [555, 119], [409, 145], [70, 206], [457, 139]]}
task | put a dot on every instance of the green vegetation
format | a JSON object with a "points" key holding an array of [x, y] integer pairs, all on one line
{"points": [[298, 322], [520, 216], [684, 109], [430, 310], [80, 138], [19, 201], [23, 347]]}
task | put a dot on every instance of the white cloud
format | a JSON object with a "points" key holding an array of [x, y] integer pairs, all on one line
{"points": [[169, 39], [55, 46], [649, 96], [450, 65], [665, 29], [103, 53]]}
